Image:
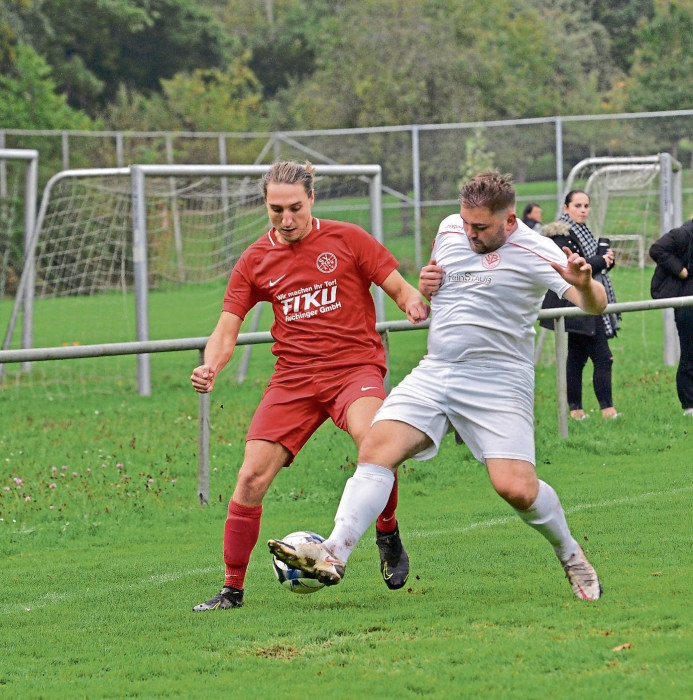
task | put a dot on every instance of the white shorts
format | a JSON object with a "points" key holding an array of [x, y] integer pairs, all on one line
{"points": [[491, 408]]}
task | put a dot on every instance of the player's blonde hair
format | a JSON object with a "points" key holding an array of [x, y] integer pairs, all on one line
{"points": [[290, 173], [488, 189]]}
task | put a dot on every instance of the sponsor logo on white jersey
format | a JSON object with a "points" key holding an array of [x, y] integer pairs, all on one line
{"points": [[467, 277]]}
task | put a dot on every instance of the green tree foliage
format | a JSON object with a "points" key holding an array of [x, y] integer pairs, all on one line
{"points": [[281, 35], [661, 74], [207, 99], [282, 64], [216, 100], [621, 19], [660, 78], [478, 157], [95, 46], [407, 61], [28, 96]]}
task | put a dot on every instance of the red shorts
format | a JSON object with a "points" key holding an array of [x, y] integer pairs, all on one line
{"points": [[292, 408]]}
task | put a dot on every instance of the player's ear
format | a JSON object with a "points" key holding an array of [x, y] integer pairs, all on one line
{"points": [[510, 220]]}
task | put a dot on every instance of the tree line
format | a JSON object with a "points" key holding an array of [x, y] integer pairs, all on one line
{"points": [[264, 65]]}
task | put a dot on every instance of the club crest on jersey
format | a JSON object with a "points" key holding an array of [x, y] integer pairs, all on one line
{"points": [[326, 263], [491, 260]]}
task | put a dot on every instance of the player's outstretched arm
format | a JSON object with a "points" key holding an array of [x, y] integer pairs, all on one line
{"points": [[430, 279], [589, 295], [406, 297], [218, 351]]}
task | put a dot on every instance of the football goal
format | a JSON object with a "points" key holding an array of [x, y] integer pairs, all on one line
{"points": [[633, 201], [144, 253]]}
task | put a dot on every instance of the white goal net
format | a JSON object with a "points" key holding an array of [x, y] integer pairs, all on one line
{"points": [[630, 201], [633, 201], [198, 220]]}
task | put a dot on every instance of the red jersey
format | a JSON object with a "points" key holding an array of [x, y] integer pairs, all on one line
{"points": [[319, 287]]}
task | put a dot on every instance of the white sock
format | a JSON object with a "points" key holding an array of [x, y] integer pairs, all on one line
{"points": [[546, 516], [365, 495]]}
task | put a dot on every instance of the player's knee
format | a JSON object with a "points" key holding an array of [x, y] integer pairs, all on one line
{"points": [[253, 483], [516, 493]]}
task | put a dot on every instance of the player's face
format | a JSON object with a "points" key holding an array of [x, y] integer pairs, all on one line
{"points": [[579, 208], [486, 231], [288, 207]]}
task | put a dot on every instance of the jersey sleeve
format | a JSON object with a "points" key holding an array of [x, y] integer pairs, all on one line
{"points": [[372, 257], [549, 278], [450, 224], [241, 295]]}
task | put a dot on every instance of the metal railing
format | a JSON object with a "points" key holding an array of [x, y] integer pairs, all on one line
{"points": [[410, 153], [384, 328]]}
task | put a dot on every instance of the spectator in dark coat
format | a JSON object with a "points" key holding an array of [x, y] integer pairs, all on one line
{"points": [[588, 336], [673, 253]]}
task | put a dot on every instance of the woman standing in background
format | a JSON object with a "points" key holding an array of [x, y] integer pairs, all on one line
{"points": [[588, 336]]}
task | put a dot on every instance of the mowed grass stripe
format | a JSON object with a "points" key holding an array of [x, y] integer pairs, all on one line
{"points": [[157, 580]]}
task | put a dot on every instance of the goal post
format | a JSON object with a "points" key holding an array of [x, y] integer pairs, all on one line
{"points": [[26, 287], [123, 254], [29, 158], [138, 175], [633, 201]]}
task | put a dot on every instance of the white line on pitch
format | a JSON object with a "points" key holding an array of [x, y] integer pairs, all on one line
{"points": [[573, 509], [55, 597]]}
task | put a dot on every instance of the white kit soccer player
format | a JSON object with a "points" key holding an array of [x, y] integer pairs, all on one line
{"points": [[486, 282]]}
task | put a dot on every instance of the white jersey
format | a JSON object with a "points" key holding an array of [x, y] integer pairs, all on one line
{"points": [[488, 304]]}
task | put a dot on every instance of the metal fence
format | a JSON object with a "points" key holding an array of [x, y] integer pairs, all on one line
{"points": [[422, 164], [384, 328]]}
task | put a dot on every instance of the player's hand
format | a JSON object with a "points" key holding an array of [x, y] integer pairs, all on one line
{"points": [[577, 272], [430, 279], [202, 379], [418, 311]]}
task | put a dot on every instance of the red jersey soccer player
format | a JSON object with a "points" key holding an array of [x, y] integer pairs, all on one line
{"points": [[317, 276]]}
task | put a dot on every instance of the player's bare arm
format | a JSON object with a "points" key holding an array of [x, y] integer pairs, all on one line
{"points": [[218, 352], [589, 295], [406, 297], [430, 279]]}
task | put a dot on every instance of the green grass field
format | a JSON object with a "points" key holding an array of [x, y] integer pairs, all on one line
{"points": [[105, 551]]}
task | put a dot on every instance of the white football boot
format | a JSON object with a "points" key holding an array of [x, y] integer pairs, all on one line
{"points": [[582, 576], [310, 557]]}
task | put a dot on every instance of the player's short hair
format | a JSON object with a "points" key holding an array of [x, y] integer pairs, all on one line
{"points": [[289, 173], [488, 189]]}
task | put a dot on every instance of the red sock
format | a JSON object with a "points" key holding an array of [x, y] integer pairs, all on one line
{"points": [[386, 520], [241, 532]]}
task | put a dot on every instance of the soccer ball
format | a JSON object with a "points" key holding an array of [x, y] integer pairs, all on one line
{"points": [[292, 579]]}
